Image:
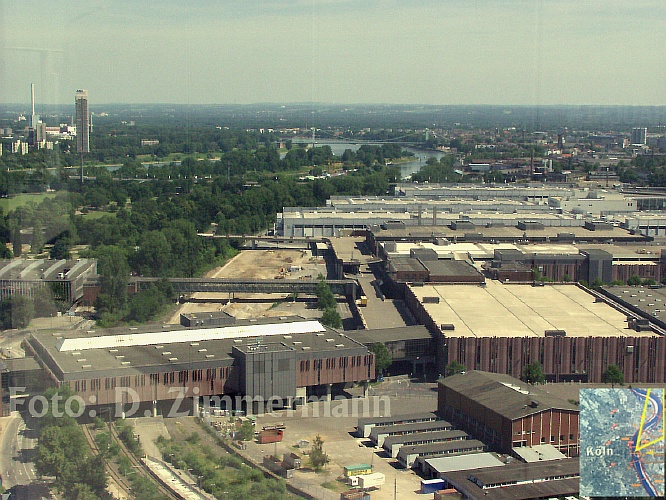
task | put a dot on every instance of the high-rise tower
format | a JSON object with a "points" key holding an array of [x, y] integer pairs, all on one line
{"points": [[639, 135], [82, 122]]}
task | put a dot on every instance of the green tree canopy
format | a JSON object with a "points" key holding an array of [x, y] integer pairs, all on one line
{"points": [[16, 312], [331, 317], [383, 358], [318, 458], [454, 367], [533, 373], [613, 375]]}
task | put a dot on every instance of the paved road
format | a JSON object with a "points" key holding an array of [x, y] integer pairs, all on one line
{"points": [[17, 450]]}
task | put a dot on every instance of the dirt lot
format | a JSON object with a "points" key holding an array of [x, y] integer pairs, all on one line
{"points": [[265, 264], [259, 264]]}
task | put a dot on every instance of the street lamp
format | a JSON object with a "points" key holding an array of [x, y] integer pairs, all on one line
{"points": [[171, 459], [199, 478]]}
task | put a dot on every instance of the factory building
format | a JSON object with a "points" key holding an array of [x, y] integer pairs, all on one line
{"points": [[279, 362], [64, 277], [502, 328], [507, 413]]}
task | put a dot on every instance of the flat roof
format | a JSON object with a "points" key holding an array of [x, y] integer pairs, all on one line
{"points": [[503, 394], [178, 351], [517, 472], [451, 268], [508, 232], [411, 427], [187, 335], [525, 472], [650, 300], [464, 462], [443, 436], [410, 417], [538, 453], [382, 335], [406, 264], [513, 310]]}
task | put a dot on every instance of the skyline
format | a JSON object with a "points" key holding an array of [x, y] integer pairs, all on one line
{"points": [[499, 52]]}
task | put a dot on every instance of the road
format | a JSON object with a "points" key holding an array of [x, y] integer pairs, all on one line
{"points": [[17, 450]]}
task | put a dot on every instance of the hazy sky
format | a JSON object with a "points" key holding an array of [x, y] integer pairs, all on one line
{"points": [[335, 51]]}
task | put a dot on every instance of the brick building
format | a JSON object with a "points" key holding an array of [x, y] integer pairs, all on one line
{"points": [[506, 413]]}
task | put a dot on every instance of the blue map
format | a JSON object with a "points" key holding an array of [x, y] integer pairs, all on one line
{"points": [[622, 442]]}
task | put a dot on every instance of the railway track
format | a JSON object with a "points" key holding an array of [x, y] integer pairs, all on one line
{"points": [[115, 476], [140, 467]]}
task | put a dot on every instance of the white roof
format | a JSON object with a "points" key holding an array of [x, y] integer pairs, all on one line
{"points": [[172, 337], [464, 462], [538, 452]]}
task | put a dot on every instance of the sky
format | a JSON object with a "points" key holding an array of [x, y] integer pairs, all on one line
{"points": [[506, 52]]}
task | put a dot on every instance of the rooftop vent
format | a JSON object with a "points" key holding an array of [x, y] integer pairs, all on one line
{"points": [[173, 359], [166, 353], [113, 350], [125, 363], [159, 347], [203, 350], [86, 366], [194, 344], [120, 357], [329, 340], [210, 355], [76, 353], [339, 345], [81, 360], [305, 348]]}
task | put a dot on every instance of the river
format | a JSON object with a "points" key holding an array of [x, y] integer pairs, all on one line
{"points": [[406, 168]]}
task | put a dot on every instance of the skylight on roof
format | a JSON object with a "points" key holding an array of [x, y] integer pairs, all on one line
{"points": [[181, 336]]}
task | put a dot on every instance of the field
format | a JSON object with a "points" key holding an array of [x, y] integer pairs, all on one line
{"points": [[9, 204]]}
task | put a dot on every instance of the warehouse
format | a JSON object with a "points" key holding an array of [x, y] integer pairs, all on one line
{"points": [[507, 413], [392, 444], [503, 327], [259, 359], [365, 424], [413, 455], [379, 433], [518, 481]]}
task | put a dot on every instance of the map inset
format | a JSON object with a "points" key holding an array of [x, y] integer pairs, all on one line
{"points": [[622, 442]]}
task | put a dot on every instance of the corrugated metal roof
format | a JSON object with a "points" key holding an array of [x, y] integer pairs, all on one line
{"points": [[170, 337]]}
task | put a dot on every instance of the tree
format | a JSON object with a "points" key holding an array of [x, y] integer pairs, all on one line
{"points": [[331, 318], [16, 312], [60, 250], [325, 297], [37, 241], [114, 274], [634, 281], [246, 431], [454, 367], [44, 304], [533, 373], [383, 358], [613, 375], [318, 458]]}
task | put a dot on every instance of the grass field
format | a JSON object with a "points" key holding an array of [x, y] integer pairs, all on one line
{"points": [[97, 215], [9, 204]]}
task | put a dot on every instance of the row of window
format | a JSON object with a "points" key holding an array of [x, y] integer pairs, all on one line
{"points": [[333, 363], [110, 383]]}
